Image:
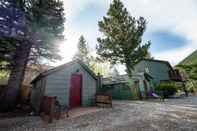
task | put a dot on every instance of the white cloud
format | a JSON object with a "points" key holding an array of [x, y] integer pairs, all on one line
{"points": [[176, 16], [69, 46], [174, 56], [74, 7], [72, 33]]}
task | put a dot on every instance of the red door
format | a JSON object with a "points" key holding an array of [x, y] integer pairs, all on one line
{"points": [[75, 90]]}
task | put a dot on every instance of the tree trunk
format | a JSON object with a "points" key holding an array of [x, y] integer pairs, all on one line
{"points": [[16, 76]]}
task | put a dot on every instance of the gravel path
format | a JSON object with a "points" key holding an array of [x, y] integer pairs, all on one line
{"points": [[171, 115]]}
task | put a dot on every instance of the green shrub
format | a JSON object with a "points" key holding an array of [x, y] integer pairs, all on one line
{"points": [[166, 89]]}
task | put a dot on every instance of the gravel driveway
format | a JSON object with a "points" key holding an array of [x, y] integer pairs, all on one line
{"points": [[152, 115]]}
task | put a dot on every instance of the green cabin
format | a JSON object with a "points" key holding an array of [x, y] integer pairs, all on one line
{"points": [[158, 69], [147, 74], [73, 83], [123, 88]]}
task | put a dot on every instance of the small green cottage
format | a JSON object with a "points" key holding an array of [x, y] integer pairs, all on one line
{"points": [[124, 88], [73, 83], [147, 74], [158, 69]]}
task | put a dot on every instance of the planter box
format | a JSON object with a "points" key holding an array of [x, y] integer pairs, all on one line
{"points": [[103, 99]]}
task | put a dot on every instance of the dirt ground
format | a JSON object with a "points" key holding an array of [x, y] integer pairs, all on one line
{"points": [[152, 115]]}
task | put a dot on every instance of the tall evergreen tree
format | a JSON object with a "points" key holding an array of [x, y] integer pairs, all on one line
{"points": [[83, 51], [83, 54], [99, 66], [122, 37], [37, 26]]}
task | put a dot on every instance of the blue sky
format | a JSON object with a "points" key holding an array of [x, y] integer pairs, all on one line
{"points": [[89, 16], [164, 40], [170, 28]]}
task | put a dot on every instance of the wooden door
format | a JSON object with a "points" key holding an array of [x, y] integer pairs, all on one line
{"points": [[75, 90]]}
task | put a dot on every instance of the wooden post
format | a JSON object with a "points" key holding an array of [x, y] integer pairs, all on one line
{"points": [[52, 106]]}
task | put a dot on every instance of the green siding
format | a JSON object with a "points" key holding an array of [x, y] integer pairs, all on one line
{"points": [[119, 91], [158, 70], [89, 89], [58, 84]]}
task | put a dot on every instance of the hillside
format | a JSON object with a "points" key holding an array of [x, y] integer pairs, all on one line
{"points": [[191, 59], [188, 68]]}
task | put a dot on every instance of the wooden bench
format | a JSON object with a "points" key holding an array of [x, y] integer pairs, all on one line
{"points": [[104, 100]]}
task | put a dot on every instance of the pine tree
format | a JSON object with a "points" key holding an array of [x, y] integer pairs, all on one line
{"points": [[122, 37], [99, 66], [31, 37], [83, 51]]}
